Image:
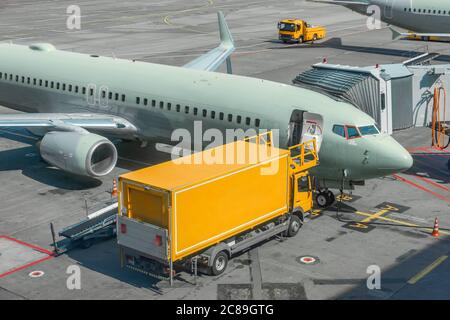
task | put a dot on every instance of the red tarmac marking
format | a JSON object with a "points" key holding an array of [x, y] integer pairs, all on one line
{"points": [[42, 250], [421, 187]]}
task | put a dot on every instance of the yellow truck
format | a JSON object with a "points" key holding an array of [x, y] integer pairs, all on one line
{"points": [[187, 212], [296, 30]]}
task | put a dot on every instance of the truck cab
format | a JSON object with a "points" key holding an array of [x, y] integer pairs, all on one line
{"points": [[297, 30]]}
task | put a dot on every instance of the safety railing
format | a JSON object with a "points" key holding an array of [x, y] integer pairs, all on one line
{"points": [[303, 156], [264, 138]]}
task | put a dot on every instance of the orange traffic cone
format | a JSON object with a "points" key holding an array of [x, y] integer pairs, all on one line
{"points": [[114, 189], [435, 232]]}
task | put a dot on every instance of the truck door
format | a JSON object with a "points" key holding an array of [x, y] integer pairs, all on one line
{"points": [[303, 191]]}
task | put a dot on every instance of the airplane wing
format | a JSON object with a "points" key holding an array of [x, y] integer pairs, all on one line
{"points": [[69, 122], [397, 34], [211, 60]]}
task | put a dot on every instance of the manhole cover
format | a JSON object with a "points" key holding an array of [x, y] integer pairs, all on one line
{"points": [[36, 274], [308, 260]]}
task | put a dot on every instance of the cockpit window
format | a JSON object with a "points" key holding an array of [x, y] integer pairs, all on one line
{"points": [[368, 130], [339, 130], [352, 132]]}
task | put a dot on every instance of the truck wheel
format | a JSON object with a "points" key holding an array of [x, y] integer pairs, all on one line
{"points": [[294, 225], [322, 199], [300, 40], [220, 263], [315, 37]]}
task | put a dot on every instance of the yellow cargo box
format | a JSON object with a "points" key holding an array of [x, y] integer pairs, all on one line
{"points": [[212, 204], [201, 204]]}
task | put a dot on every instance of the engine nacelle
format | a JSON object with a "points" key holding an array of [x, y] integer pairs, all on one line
{"points": [[85, 154]]}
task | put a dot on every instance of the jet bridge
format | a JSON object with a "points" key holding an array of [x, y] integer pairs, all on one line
{"points": [[397, 96]]}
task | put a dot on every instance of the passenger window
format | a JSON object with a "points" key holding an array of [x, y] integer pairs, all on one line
{"points": [[186, 109], [221, 115], [52, 84], [238, 119], [145, 101], [195, 111], [109, 94], [161, 104], [230, 117], [57, 84], [70, 88], [64, 86], [84, 90], [352, 132], [153, 103], [138, 100], [257, 122], [103, 94], [339, 130], [213, 114], [116, 96], [178, 108], [205, 112], [91, 90], [123, 98], [17, 78], [247, 121], [169, 106], [46, 83]]}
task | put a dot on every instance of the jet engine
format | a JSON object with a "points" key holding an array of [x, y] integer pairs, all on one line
{"points": [[81, 153]]}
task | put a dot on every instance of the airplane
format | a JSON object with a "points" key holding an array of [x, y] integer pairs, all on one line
{"points": [[425, 18], [76, 102]]}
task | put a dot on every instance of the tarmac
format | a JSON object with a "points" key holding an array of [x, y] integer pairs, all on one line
{"points": [[399, 211]]}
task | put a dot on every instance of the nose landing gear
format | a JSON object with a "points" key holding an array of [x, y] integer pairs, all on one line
{"points": [[325, 198]]}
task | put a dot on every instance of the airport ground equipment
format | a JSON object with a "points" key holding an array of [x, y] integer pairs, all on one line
{"points": [[297, 30], [440, 130], [191, 213], [97, 226]]}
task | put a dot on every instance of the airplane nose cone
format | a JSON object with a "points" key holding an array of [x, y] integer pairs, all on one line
{"points": [[394, 158]]}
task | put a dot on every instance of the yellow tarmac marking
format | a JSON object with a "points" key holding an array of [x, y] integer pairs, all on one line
{"points": [[399, 222], [374, 216], [427, 270]]}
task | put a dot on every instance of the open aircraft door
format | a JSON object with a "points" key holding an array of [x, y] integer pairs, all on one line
{"points": [[312, 128], [305, 126]]}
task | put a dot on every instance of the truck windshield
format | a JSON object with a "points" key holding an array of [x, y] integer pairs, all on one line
{"points": [[286, 26]]}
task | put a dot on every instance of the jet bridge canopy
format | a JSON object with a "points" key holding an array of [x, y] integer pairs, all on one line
{"points": [[358, 87]]}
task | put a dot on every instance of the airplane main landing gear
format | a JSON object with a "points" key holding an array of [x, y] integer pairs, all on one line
{"points": [[325, 198]]}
